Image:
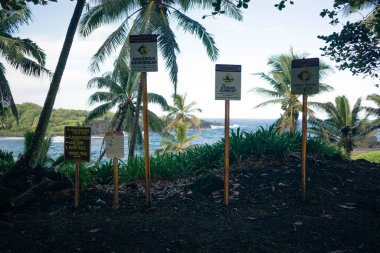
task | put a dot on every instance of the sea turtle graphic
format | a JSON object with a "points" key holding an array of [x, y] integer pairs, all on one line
{"points": [[228, 78]]}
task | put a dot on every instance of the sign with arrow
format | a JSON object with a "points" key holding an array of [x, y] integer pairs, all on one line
{"points": [[305, 76]]}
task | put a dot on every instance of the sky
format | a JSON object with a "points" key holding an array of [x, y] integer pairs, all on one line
{"points": [[265, 31]]}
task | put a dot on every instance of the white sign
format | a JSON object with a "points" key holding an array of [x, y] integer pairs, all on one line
{"points": [[115, 145], [227, 82], [305, 76], [143, 53]]}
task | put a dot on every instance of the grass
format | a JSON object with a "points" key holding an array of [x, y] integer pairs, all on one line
{"points": [[373, 156]]}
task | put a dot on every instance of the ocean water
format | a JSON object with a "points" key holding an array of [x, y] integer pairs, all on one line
{"points": [[211, 135]]}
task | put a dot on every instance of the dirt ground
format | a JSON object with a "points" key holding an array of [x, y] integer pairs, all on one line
{"points": [[265, 214]]}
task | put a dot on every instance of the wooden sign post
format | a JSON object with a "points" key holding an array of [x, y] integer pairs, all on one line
{"points": [[77, 148], [115, 151], [144, 59], [304, 80], [227, 87]]}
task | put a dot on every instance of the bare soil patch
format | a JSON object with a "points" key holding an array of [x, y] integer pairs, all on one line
{"points": [[341, 214]]}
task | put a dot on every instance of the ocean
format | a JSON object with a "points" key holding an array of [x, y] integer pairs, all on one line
{"points": [[210, 135]]}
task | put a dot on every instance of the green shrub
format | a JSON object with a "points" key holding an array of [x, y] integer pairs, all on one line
{"points": [[373, 157], [6, 160]]}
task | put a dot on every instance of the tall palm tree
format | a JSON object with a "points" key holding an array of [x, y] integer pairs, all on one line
{"points": [[150, 17], [121, 91], [22, 54], [279, 77], [181, 111], [343, 125], [12, 178], [177, 142]]}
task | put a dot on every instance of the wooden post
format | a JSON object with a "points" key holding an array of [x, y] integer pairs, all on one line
{"points": [[115, 183], [226, 151], [143, 79], [77, 183], [304, 132]]}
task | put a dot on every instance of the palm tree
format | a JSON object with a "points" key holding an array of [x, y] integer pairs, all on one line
{"points": [[177, 142], [12, 178], [343, 125], [279, 78], [375, 98], [180, 111], [122, 92], [22, 54], [150, 17]]}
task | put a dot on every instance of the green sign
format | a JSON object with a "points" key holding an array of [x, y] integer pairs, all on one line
{"points": [[77, 144]]}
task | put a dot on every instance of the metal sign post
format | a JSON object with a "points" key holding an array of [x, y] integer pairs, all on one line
{"points": [[227, 87], [304, 80], [77, 148], [144, 59], [115, 150]]}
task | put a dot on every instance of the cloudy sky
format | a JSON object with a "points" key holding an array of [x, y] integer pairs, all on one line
{"points": [[265, 31]]}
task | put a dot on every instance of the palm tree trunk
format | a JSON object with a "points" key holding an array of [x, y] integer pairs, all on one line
{"points": [[31, 156], [133, 137]]}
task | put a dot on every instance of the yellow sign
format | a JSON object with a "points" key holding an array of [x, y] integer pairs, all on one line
{"points": [[77, 143]]}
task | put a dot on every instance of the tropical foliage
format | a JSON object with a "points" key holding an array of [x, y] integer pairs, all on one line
{"points": [[343, 125], [120, 89], [150, 17], [177, 142], [203, 159], [182, 112], [22, 54], [279, 78], [28, 119]]}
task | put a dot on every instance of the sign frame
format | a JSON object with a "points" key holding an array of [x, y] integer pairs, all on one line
{"points": [[305, 76], [143, 53], [227, 82], [77, 144]]}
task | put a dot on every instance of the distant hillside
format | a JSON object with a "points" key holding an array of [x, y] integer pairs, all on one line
{"points": [[29, 115]]}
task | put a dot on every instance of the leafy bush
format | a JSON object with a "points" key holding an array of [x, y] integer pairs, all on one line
{"points": [[373, 157], [204, 159], [6, 160]]}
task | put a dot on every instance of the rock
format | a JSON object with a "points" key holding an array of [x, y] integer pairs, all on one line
{"points": [[207, 184]]}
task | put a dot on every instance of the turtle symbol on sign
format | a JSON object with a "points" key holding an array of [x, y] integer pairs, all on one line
{"points": [[305, 76], [143, 50], [228, 78]]}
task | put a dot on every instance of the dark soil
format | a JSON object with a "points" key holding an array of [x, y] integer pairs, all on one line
{"points": [[265, 214]]}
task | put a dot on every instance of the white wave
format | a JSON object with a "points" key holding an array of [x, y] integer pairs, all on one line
{"points": [[11, 138], [57, 139], [221, 127]]}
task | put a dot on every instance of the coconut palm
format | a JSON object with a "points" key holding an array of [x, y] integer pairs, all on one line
{"points": [[150, 17], [375, 98], [279, 77], [177, 142], [343, 125], [22, 54], [181, 111], [121, 91]]}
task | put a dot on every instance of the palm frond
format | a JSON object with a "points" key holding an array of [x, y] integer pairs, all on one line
{"points": [[189, 25]]}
